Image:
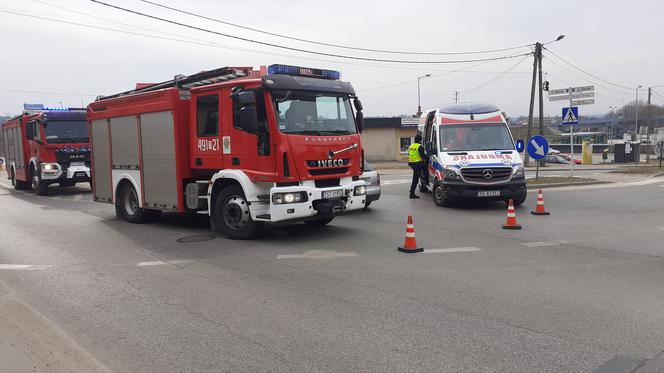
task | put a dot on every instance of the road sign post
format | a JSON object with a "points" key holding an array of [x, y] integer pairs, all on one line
{"points": [[571, 118], [577, 96], [538, 148]]}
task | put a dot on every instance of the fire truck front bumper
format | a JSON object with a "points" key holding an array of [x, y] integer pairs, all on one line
{"points": [[306, 201], [53, 172]]}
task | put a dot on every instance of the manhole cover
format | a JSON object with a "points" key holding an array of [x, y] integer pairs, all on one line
{"points": [[196, 238]]}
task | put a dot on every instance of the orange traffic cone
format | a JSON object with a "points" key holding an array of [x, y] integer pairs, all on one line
{"points": [[539, 210], [410, 244], [511, 223]]}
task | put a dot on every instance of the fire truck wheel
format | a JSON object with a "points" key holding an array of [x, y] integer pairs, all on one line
{"points": [[38, 187], [18, 184], [128, 207], [518, 201], [231, 215], [319, 222], [440, 198]]}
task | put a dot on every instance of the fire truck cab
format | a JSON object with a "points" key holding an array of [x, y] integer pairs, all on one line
{"points": [[472, 155], [247, 147], [43, 146]]}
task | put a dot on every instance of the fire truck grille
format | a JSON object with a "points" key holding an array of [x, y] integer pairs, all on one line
{"points": [[328, 171], [486, 174], [65, 159]]}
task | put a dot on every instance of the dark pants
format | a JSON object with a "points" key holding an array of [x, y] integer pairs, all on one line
{"points": [[420, 172]]}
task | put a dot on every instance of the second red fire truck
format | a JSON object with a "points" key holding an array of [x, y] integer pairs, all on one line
{"points": [[246, 147], [44, 146]]}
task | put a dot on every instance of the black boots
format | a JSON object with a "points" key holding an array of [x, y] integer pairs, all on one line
{"points": [[414, 196]]}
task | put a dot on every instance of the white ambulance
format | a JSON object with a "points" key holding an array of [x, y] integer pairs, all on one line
{"points": [[472, 155]]}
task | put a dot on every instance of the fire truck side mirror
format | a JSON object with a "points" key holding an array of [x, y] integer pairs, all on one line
{"points": [[358, 104], [249, 119], [30, 130], [359, 119], [246, 98]]}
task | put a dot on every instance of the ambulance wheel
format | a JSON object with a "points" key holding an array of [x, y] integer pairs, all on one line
{"points": [[127, 206], [440, 197], [67, 183], [518, 201], [38, 187], [231, 216], [319, 222]]}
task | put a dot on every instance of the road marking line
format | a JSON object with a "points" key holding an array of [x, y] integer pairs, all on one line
{"points": [[452, 250], [545, 243], [24, 267], [645, 182], [164, 262], [317, 254], [394, 182]]}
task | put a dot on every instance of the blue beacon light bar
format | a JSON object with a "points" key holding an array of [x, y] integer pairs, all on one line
{"points": [[303, 71]]}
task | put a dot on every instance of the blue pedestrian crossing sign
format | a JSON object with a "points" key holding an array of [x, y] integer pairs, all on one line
{"points": [[538, 147], [571, 115]]}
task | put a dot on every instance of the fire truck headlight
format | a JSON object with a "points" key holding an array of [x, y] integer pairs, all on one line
{"points": [[286, 198], [451, 174], [518, 172], [49, 167], [360, 190]]}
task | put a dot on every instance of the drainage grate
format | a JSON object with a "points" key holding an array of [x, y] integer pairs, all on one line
{"points": [[196, 238]]}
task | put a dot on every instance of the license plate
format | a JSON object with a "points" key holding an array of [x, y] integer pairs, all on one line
{"points": [[333, 193], [488, 193], [80, 174], [77, 164]]}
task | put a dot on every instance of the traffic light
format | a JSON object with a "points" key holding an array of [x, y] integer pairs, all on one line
{"points": [[545, 86]]}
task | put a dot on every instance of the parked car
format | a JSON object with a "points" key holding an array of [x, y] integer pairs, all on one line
{"points": [[568, 158], [371, 177], [553, 151], [555, 158]]}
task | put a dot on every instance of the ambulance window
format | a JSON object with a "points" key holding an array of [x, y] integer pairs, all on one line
{"points": [[434, 140], [207, 115]]}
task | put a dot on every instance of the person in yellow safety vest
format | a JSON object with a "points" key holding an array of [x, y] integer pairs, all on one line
{"points": [[417, 160]]}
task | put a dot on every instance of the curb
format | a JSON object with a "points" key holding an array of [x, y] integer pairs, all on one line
{"points": [[581, 183]]}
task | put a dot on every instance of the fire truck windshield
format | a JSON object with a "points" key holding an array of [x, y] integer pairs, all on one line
{"points": [[463, 137], [61, 132], [313, 113]]}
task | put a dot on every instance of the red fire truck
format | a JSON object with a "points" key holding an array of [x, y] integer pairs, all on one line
{"points": [[43, 146], [246, 147]]}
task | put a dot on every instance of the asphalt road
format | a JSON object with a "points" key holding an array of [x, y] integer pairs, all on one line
{"points": [[565, 294]]}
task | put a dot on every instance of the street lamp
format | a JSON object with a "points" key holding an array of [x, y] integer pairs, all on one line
{"points": [[419, 106], [636, 116]]}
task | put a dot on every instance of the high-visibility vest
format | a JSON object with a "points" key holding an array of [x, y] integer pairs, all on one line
{"points": [[414, 153]]}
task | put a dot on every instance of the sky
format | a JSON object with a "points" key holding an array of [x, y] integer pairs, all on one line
{"points": [[64, 64]]}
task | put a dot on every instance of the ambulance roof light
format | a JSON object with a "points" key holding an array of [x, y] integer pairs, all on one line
{"points": [[303, 71]]}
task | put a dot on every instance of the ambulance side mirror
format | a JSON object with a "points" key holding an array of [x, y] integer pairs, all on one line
{"points": [[520, 145]]}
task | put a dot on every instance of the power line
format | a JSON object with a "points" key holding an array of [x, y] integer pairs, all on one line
{"points": [[587, 73], [300, 49], [571, 84], [47, 92], [496, 77], [201, 42], [588, 80], [328, 44], [415, 80]]}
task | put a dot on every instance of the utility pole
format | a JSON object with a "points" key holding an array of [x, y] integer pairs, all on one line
{"points": [[537, 55], [648, 123], [541, 92]]}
